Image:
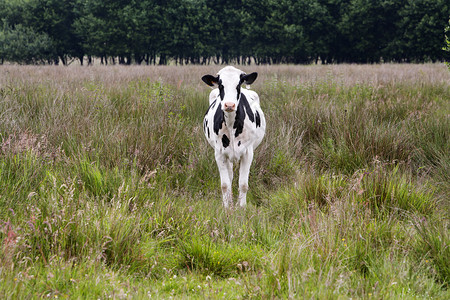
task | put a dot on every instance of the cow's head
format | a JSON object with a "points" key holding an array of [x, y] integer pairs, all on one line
{"points": [[229, 81]]}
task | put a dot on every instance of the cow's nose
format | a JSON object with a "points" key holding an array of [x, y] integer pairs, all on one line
{"points": [[230, 106]]}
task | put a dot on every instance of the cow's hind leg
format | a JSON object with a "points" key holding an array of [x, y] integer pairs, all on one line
{"points": [[225, 169], [244, 171]]}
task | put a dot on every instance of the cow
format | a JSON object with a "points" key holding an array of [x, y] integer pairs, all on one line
{"points": [[234, 125]]}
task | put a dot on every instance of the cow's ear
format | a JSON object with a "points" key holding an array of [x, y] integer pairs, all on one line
{"points": [[210, 80], [249, 78]]}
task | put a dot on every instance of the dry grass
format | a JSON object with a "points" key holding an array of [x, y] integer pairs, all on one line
{"points": [[349, 75]]}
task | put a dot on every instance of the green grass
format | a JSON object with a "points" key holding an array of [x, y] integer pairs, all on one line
{"points": [[108, 188]]}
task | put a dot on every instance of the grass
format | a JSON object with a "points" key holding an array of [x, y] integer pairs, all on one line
{"points": [[108, 188]]}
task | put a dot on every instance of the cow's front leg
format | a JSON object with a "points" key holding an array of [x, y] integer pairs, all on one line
{"points": [[226, 176], [244, 171]]}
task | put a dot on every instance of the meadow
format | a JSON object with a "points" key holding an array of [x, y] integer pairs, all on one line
{"points": [[108, 188]]}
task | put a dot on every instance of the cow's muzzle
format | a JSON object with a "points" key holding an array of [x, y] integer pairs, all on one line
{"points": [[229, 106]]}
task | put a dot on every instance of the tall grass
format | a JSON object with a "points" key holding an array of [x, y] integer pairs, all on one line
{"points": [[109, 189]]}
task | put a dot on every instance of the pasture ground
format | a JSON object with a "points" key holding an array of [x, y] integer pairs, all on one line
{"points": [[108, 188]]}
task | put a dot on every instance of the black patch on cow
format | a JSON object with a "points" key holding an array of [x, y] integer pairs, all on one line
{"points": [[221, 90], [248, 109], [212, 104], [242, 110], [258, 119], [239, 143], [238, 88], [206, 127], [218, 119], [239, 121], [225, 141]]}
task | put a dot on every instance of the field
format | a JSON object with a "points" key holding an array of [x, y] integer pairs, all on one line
{"points": [[108, 188]]}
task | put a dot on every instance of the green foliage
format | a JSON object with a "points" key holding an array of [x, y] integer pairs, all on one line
{"points": [[433, 247], [21, 176], [447, 41], [242, 32], [25, 46], [386, 191], [209, 258]]}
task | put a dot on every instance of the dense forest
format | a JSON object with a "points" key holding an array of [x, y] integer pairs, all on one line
{"points": [[228, 31]]}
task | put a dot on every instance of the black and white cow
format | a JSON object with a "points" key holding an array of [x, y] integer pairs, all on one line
{"points": [[234, 126]]}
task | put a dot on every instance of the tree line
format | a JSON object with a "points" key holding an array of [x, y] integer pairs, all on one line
{"points": [[228, 31]]}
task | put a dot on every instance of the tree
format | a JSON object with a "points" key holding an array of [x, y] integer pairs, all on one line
{"points": [[230, 31], [447, 42], [55, 18], [367, 26], [25, 46], [420, 28]]}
